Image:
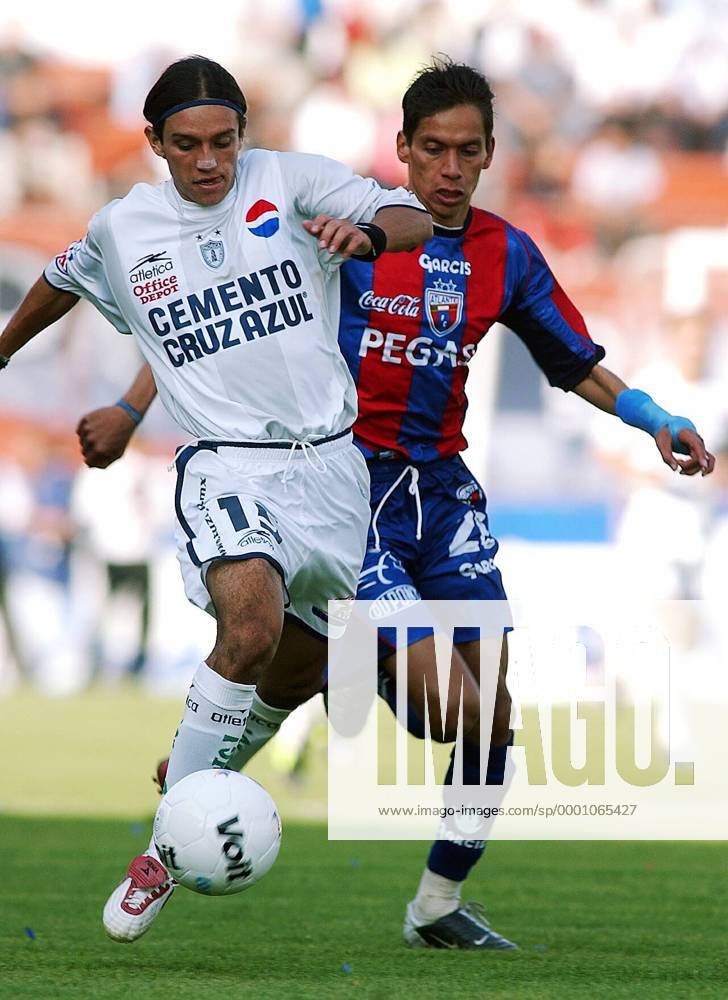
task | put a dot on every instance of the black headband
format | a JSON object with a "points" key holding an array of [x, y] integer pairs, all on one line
{"points": [[195, 104]]}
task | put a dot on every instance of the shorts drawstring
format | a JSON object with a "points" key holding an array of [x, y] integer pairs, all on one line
{"points": [[414, 491], [312, 457]]}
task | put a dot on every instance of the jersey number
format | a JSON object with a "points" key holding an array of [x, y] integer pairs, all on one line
{"points": [[252, 515]]}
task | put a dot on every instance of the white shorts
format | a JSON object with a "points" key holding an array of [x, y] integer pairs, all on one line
{"points": [[304, 511]]}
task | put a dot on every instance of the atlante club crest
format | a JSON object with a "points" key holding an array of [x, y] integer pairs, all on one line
{"points": [[443, 306]]}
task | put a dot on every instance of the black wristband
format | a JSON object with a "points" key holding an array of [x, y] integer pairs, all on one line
{"points": [[378, 238], [4, 361]]}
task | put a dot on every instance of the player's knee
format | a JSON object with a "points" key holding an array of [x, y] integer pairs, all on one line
{"points": [[242, 653], [293, 690]]}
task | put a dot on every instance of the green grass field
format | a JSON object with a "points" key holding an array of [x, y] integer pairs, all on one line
{"points": [[593, 919]]}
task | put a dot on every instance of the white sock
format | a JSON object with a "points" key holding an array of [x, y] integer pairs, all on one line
{"points": [[263, 723], [212, 726], [436, 897]]}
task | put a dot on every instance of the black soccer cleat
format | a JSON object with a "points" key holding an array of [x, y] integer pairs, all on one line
{"points": [[465, 927]]}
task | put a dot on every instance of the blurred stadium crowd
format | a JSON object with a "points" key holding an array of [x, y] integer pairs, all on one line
{"points": [[612, 151]]}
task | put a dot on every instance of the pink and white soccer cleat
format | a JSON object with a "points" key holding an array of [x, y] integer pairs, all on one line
{"points": [[135, 903], [160, 775]]}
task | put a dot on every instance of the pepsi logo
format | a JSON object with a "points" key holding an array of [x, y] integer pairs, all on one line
{"points": [[263, 219]]}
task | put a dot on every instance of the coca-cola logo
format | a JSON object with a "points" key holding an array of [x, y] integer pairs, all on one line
{"points": [[393, 305]]}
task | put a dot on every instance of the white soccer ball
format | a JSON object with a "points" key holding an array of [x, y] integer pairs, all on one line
{"points": [[217, 832]]}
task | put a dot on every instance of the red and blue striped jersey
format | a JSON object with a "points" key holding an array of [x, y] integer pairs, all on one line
{"points": [[411, 322]]}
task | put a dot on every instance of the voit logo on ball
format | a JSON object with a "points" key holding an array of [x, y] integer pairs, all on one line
{"points": [[263, 219]]}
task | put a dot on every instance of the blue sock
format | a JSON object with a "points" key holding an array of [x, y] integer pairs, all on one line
{"points": [[453, 859]]}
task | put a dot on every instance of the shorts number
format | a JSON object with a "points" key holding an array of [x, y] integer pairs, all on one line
{"points": [[240, 518], [463, 541]]}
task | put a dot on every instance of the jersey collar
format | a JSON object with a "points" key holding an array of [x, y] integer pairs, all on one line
{"points": [[191, 211], [450, 233]]}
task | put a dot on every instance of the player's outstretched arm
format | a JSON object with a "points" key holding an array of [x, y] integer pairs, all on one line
{"points": [[105, 433], [42, 306], [395, 228], [405, 228], [608, 392]]}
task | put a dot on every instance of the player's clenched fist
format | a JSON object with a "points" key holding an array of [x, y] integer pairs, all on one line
{"points": [[104, 435], [339, 236]]}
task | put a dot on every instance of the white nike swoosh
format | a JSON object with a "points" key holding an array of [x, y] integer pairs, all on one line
{"points": [[481, 940], [443, 944]]}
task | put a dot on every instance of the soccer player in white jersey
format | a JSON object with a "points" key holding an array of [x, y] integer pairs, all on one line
{"points": [[227, 275], [446, 142]]}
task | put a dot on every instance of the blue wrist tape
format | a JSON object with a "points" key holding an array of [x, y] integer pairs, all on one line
{"points": [[635, 407], [135, 415]]}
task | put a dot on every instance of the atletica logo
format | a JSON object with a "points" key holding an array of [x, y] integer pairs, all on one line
{"points": [[152, 265], [255, 538], [226, 719], [258, 720]]}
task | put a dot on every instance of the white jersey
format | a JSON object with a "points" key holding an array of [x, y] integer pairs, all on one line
{"points": [[233, 305]]}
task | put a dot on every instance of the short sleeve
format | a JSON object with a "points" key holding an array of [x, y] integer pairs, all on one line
{"points": [[323, 186], [79, 269]]}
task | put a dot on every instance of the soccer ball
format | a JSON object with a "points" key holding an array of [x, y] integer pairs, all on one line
{"points": [[217, 832]]}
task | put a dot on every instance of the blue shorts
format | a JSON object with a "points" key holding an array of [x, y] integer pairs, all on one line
{"points": [[453, 557]]}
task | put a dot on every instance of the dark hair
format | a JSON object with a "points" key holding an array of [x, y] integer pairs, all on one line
{"points": [[190, 79], [442, 85]]}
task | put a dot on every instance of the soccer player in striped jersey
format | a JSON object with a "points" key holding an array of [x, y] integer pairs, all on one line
{"points": [[409, 326]]}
